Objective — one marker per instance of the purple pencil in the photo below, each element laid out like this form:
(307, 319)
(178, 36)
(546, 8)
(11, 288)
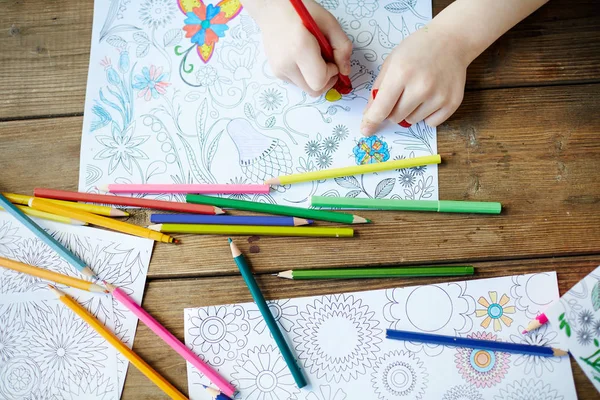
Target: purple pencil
(227, 220)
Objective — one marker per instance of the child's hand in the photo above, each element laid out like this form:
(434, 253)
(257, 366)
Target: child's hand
(422, 79)
(293, 52)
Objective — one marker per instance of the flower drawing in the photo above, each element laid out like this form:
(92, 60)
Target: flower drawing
(8, 239)
(157, 13)
(121, 148)
(462, 392)
(535, 364)
(207, 76)
(596, 328)
(239, 57)
(324, 160)
(586, 318)
(330, 145)
(312, 148)
(399, 374)
(271, 99)
(218, 333)
(63, 344)
(238, 181)
(407, 178)
(482, 368)
(87, 386)
(584, 336)
(361, 8)
(13, 338)
(262, 373)
(205, 24)
(371, 150)
(340, 132)
(528, 389)
(495, 311)
(151, 83)
(327, 393)
(281, 310)
(19, 377)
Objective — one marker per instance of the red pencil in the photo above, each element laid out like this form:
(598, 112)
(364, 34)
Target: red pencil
(343, 85)
(402, 123)
(127, 201)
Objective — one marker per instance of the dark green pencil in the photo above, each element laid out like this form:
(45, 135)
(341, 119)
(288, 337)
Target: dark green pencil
(276, 209)
(263, 307)
(356, 273)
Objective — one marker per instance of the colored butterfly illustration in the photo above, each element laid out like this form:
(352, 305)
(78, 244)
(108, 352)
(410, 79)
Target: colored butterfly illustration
(205, 24)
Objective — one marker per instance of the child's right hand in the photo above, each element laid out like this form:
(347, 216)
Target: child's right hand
(293, 52)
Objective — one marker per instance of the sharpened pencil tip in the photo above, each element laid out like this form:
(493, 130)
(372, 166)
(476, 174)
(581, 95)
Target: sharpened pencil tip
(229, 240)
(524, 332)
(103, 188)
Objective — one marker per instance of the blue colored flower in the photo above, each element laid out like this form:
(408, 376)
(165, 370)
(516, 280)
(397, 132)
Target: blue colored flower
(205, 24)
(151, 83)
(371, 150)
(111, 75)
(124, 61)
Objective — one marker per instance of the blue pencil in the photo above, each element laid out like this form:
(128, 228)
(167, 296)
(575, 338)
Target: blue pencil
(492, 345)
(227, 220)
(46, 237)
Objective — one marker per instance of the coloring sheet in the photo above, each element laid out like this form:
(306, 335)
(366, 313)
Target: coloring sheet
(170, 101)
(577, 319)
(117, 258)
(48, 352)
(340, 343)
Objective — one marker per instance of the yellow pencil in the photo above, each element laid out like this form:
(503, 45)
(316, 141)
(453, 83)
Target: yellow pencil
(91, 208)
(251, 230)
(133, 358)
(354, 170)
(115, 225)
(50, 217)
(51, 276)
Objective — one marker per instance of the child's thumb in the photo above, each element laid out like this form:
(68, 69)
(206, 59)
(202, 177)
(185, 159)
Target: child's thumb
(342, 47)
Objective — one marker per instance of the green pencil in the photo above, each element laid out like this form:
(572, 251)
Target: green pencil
(356, 273)
(252, 230)
(268, 208)
(262, 305)
(448, 206)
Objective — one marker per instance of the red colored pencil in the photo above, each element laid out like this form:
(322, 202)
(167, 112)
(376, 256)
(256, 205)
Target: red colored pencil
(343, 85)
(127, 201)
(402, 123)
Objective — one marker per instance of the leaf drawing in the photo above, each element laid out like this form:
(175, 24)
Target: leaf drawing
(384, 188)
(353, 193)
(270, 122)
(212, 148)
(142, 49)
(141, 37)
(596, 296)
(249, 111)
(172, 37)
(117, 41)
(348, 182)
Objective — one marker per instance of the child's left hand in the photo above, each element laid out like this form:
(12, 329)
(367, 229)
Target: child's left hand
(422, 79)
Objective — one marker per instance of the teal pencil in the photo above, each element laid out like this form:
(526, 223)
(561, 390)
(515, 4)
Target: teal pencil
(262, 305)
(46, 237)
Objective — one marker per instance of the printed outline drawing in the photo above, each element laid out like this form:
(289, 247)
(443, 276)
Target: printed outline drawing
(399, 374)
(482, 368)
(528, 389)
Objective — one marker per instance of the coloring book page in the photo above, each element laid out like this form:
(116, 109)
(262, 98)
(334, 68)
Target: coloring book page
(577, 318)
(171, 101)
(48, 352)
(117, 258)
(339, 341)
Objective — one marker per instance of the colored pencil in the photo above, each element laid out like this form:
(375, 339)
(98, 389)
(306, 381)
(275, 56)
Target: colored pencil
(47, 216)
(227, 220)
(492, 345)
(388, 272)
(105, 222)
(354, 170)
(110, 337)
(126, 201)
(343, 85)
(277, 209)
(170, 339)
(263, 307)
(536, 323)
(173, 188)
(444, 206)
(92, 208)
(46, 237)
(402, 123)
(51, 276)
(248, 230)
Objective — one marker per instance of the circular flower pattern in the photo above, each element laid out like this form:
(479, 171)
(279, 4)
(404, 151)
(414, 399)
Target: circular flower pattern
(157, 13)
(371, 150)
(282, 311)
(218, 333)
(399, 374)
(327, 393)
(340, 132)
(37, 253)
(352, 353)
(407, 179)
(312, 148)
(19, 377)
(482, 368)
(535, 364)
(8, 239)
(324, 160)
(262, 374)
(527, 298)
(586, 318)
(207, 76)
(495, 310)
(361, 8)
(528, 389)
(13, 338)
(584, 336)
(330, 145)
(462, 392)
(271, 99)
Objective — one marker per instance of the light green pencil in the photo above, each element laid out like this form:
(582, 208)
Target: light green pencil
(445, 206)
(386, 272)
(251, 230)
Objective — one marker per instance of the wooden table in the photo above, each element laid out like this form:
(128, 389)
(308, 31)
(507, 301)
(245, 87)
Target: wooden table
(527, 135)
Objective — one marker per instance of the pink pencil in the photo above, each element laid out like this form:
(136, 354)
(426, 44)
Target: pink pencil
(226, 388)
(175, 188)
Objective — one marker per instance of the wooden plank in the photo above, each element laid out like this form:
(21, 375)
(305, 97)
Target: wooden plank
(44, 53)
(536, 150)
(166, 300)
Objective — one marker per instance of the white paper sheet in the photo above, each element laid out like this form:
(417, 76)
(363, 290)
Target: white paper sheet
(577, 319)
(156, 112)
(117, 258)
(340, 343)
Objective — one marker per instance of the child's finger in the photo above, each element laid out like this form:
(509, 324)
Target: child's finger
(423, 111)
(376, 85)
(380, 108)
(342, 46)
(315, 70)
(408, 102)
(295, 76)
(439, 117)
